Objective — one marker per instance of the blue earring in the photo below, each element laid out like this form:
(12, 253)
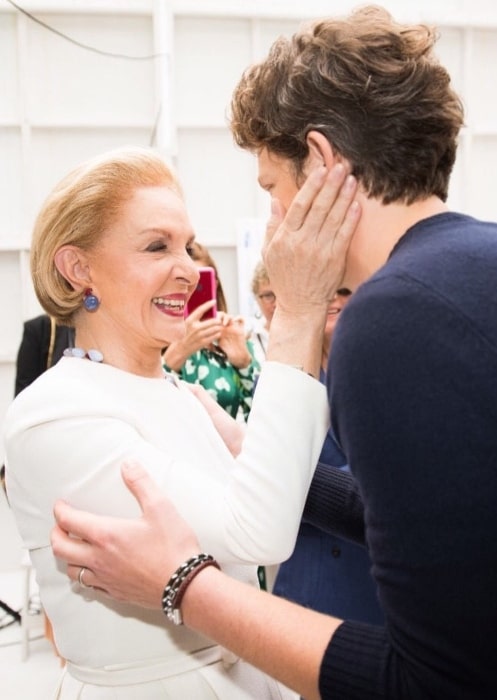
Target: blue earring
(90, 302)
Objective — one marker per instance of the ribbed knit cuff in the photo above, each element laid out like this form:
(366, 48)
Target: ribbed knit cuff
(355, 663)
(334, 504)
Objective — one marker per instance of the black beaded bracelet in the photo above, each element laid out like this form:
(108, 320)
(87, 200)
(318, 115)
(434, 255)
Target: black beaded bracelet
(179, 582)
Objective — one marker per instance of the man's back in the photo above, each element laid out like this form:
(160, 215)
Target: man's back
(414, 368)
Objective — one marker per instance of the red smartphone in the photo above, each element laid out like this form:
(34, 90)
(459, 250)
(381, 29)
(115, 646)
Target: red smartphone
(204, 291)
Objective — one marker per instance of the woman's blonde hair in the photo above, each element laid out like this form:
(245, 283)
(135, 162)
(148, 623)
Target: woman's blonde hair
(259, 277)
(78, 211)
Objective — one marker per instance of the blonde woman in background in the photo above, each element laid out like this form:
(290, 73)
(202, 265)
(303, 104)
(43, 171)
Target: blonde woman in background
(266, 301)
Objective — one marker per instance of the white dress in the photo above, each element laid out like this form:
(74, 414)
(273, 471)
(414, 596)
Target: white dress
(66, 436)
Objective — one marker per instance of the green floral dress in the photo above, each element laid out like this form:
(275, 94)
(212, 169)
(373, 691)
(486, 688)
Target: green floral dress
(232, 388)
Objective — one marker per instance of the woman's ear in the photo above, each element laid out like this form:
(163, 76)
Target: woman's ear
(72, 263)
(321, 151)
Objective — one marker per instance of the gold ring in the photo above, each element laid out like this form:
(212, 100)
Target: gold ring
(80, 578)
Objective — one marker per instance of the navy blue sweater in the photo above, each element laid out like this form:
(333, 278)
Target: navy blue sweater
(414, 395)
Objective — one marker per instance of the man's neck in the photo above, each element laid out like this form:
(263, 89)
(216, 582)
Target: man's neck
(381, 226)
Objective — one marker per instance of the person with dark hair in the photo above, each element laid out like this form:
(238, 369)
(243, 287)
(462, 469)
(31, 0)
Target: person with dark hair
(215, 352)
(412, 383)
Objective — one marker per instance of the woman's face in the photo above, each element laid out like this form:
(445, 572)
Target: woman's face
(266, 301)
(142, 271)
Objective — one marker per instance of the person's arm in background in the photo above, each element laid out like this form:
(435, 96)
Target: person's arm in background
(198, 334)
(233, 341)
(231, 431)
(240, 353)
(248, 380)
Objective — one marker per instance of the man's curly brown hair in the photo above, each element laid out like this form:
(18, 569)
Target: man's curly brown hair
(373, 87)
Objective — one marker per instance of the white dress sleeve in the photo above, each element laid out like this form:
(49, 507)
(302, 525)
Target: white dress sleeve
(68, 439)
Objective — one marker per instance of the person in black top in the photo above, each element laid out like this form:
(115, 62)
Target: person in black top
(42, 344)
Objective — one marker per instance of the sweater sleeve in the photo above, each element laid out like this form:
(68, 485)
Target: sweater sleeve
(355, 663)
(334, 504)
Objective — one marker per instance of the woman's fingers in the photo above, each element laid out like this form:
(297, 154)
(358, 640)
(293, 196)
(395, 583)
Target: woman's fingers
(305, 255)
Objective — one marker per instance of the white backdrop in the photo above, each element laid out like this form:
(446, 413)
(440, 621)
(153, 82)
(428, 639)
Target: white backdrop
(160, 72)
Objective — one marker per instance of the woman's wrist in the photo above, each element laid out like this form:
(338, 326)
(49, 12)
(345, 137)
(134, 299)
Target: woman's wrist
(174, 357)
(297, 341)
(241, 361)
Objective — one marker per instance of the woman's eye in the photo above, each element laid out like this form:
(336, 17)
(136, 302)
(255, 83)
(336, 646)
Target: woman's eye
(156, 246)
(189, 250)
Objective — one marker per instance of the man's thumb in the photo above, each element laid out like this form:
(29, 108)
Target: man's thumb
(138, 482)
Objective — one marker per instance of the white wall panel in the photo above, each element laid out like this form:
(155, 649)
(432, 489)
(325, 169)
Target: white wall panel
(209, 56)
(68, 84)
(61, 149)
(11, 178)
(450, 49)
(481, 88)
(218, 180)
(9, 84)
(11, 294)
(268, 30)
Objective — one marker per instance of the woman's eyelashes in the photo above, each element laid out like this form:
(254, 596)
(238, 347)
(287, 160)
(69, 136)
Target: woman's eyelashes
(170, 243)
(156, 246)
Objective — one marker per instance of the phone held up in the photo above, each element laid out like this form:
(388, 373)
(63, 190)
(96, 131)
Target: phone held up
(204, 291)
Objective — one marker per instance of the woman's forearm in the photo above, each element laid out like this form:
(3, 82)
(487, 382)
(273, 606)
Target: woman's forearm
(175, 356)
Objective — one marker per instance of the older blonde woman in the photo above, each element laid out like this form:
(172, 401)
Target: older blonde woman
(111, 257)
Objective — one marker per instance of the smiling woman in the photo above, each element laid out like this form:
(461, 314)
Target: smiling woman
(111, 256)
(142, 235)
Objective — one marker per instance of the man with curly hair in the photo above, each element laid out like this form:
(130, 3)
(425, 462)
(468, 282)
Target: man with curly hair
(413, 384)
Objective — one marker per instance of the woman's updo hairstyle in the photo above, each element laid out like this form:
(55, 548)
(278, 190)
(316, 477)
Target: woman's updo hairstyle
(79, 210)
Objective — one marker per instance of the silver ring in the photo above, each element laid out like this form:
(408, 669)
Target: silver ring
(80, 578)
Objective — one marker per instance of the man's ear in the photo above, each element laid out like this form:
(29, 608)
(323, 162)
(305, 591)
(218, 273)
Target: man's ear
(72, 263)
(321, 151)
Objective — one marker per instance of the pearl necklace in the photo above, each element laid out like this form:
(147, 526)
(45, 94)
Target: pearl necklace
(92, 354)
(96, 356)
